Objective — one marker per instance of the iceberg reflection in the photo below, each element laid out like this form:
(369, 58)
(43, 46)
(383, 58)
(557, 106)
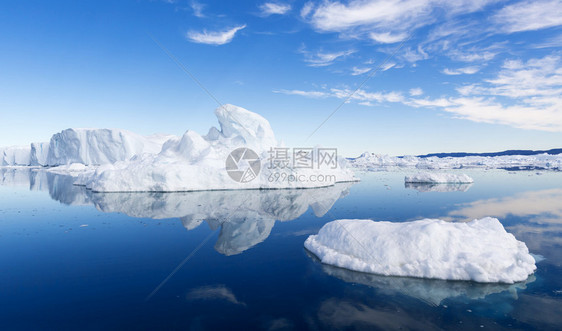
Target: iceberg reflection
(244, 217)
(441, 187)
(431, 291)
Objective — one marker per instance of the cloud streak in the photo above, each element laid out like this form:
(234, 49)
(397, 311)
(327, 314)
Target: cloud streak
(214, 37)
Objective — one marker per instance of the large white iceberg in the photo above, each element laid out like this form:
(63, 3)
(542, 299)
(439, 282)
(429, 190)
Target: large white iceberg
(194, 162)
(480, 250)
(436, 178)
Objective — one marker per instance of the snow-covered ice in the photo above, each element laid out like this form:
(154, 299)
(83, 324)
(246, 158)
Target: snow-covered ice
(437, 178)
(480, 250)
(194, 162)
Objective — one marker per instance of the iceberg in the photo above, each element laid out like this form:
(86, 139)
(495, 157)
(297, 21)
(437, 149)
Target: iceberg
(436, 178)
(39, 154)
(98, 146)
(480, 250)
(213, 162)
(15, 156)
(373, 162)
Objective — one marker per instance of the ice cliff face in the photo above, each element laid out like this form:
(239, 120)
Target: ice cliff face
(98, 146)
(14, 156)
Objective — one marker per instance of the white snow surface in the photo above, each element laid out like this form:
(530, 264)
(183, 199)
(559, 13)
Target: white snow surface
(374, 162)
(436, 178)
(194, 162)
(480, 250)
(99, 146)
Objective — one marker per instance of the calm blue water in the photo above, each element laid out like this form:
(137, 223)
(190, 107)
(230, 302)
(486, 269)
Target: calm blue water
(73, 259)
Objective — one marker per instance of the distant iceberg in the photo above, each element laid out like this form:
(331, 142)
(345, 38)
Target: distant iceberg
(480, 250)
(376, 162)
(438, 178)
(15, 156)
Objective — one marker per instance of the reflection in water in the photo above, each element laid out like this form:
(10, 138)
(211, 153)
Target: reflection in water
(245, 218)
(441, 187)
(538, 218)
(545, 205)
(431, 291)
(342, 314)
(215, 292)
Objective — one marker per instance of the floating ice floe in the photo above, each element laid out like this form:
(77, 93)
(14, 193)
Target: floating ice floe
(439, 178)
(194, 162)
(480, 250)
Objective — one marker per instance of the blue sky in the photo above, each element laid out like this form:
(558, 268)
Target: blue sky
(440, 75)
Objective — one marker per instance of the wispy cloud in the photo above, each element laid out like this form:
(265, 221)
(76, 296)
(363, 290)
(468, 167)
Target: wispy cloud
(273, 8)
(526, 95)
(322, 59)
(197, 9)
(361, 96)
(523, 94)
(387, 37)
(355, 71)
(529, 15)
(386, 19)
(214, 37)
(460, 71)
(307, 9)
(308, 94)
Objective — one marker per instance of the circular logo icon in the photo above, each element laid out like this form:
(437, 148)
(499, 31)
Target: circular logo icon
(243, 165)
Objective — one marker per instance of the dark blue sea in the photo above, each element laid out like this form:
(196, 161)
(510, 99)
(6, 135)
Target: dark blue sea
(71, 259)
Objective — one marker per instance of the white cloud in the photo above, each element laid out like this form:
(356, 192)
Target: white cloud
(355, 71)
(392, 17)
(361, 96)
(388, 65)
(272, 8)
(529, 15)
(472, 55)
(459, 71)
(387, 37)
(322, 59)
(307, 9)
(525, 95)
(214, 37)
(416, 91)
(309, 94)
(197, 9)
